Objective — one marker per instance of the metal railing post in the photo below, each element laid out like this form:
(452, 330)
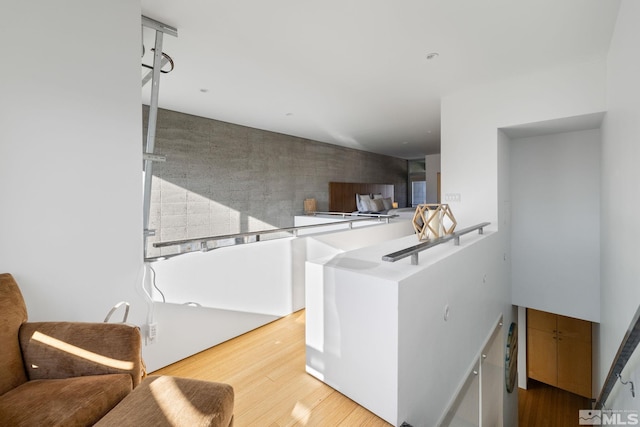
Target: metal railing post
(414, 250)
(160, 30)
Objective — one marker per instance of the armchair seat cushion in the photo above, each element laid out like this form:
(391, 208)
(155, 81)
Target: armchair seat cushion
(79, 401)
(165, 401)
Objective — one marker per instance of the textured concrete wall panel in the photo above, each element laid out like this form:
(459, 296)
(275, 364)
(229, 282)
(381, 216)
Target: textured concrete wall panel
(221, 178)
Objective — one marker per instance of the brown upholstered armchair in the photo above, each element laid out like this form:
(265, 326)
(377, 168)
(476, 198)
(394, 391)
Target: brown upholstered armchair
(61, 373)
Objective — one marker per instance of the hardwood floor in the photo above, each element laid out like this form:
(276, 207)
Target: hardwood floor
(544, 406)
(266, 368)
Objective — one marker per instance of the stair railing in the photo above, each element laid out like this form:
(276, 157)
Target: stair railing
(627, 347)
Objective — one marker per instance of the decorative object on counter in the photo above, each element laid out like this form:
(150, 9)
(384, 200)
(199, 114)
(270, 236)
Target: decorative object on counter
(310, 206)
(431, 221)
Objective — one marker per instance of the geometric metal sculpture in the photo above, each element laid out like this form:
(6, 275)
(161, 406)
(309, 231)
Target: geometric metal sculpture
(431, 221)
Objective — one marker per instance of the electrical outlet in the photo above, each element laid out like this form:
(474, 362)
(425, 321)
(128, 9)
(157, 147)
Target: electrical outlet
(452, 197)
(152, 333)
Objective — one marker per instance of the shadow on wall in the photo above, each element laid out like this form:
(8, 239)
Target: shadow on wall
(221, 178)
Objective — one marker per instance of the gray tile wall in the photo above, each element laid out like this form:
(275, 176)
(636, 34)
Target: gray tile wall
(221, 178)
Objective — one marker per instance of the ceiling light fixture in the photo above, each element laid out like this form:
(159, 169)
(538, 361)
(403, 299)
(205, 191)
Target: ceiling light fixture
(432, 55)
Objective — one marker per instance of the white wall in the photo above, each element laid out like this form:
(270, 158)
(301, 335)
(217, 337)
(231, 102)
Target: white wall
(475, 153)
(555, 223)
(620, 228)
(470, 119)
(70, 156)
(522, 347)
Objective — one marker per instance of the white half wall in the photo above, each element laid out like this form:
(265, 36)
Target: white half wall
(376, 331)
(70, 156)
(217, 295)
(555, 223)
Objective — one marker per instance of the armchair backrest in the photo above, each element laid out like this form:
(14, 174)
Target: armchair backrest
(13, 313)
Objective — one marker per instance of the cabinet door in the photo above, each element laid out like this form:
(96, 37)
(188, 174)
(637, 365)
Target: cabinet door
(574, 356)
(542, 356)
(541, 320)
(574, 328)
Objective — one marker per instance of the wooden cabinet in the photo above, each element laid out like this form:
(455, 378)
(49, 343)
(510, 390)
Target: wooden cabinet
(559, 351)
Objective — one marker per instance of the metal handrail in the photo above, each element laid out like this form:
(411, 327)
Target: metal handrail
(627, 347)
(413, 251)
(346, 214)
(245, 237)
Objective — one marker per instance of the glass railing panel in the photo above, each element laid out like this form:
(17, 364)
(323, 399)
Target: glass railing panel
(479, 399)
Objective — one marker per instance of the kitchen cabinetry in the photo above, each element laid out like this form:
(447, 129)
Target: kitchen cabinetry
(559, 351)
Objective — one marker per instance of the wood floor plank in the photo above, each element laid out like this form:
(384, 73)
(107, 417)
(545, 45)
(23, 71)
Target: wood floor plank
(305, 407)
(291, 409)
(266, 368)
(541, 405)
(361, 417)
(332, 412)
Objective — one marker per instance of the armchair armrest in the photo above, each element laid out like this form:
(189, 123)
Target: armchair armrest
(73, 349)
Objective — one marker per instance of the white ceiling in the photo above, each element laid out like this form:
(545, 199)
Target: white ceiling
(355, 73)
